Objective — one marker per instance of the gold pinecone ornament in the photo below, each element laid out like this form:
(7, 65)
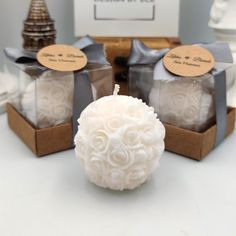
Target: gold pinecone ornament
(39, 28)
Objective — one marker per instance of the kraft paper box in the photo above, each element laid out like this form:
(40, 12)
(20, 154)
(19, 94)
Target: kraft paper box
(190, 107)
(45, 112)
(41, 141)
(195, 145)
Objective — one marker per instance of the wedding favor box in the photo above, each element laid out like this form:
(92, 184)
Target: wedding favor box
(193, 108)
(49, 102)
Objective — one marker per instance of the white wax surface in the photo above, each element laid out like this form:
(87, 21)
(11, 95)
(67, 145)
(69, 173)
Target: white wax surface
(184, 103)
(119, 142)
(47, 101)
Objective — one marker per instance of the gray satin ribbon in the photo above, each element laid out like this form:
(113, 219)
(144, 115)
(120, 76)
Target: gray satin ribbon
(83, 94)
(82, 86)
(94, 52)
(221, 106)
(142, 55)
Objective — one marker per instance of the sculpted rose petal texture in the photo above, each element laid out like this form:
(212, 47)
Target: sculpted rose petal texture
(119, 146)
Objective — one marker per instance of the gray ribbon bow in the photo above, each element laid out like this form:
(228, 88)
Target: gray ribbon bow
(82, 86)
(142, 55)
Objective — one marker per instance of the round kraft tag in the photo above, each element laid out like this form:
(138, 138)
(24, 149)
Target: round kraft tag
(189, 61)
(62, 58)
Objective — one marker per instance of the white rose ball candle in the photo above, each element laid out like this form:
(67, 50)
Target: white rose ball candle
(48, 101)
(187, 103)
(119, 141)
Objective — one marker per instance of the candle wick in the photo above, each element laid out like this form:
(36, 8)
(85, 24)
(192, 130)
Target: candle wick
(116, 90)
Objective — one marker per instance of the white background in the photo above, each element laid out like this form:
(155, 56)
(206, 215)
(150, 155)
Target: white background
(51, 196)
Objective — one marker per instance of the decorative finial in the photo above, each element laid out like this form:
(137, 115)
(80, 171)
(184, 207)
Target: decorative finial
(39, 28)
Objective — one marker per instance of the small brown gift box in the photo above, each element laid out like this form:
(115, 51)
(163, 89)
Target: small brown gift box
(41, 141)
(192, 144)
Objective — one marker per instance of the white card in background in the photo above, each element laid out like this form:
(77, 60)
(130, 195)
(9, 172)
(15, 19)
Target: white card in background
(125, 18)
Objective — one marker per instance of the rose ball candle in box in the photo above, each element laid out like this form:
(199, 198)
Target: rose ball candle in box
(55, 85)
(189, 88)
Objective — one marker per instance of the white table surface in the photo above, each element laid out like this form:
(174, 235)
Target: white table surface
(51, 196)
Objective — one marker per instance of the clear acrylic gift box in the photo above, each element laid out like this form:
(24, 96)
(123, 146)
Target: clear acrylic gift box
(187, 103)
(45, 98)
